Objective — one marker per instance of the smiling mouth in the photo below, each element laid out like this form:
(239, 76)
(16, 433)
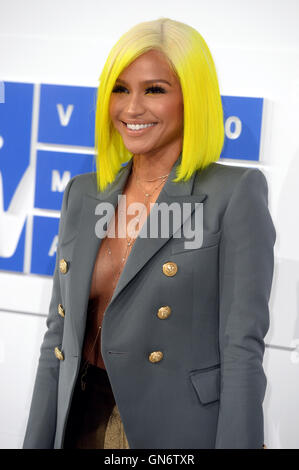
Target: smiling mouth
(137, 128)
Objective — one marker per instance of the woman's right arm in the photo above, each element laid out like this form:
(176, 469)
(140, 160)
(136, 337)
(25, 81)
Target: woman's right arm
(41, 425)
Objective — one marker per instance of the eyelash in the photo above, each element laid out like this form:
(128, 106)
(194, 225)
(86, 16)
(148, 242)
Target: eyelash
(154, 89)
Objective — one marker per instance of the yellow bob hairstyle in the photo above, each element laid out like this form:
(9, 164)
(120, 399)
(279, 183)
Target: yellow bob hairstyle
(190, 59)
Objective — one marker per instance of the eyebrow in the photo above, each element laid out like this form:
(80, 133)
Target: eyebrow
(146, 81)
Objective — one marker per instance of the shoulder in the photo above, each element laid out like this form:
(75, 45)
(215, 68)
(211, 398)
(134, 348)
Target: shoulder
(75, 190)
(85, 183)
(217, 176)
(230, 185)
(219, 180)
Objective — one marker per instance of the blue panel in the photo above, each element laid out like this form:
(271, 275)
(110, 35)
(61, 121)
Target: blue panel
(67, 115)
(15, 132)
(53, 171)
(15, 136)
(243, 121)
(45, 235)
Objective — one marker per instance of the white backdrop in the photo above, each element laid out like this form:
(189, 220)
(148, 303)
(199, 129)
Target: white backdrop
(255, 45)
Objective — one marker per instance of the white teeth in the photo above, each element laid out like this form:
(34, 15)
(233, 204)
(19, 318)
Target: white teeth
(136, 127)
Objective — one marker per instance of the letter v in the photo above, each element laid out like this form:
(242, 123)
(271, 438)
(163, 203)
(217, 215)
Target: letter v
(64, 116)
(12, 220)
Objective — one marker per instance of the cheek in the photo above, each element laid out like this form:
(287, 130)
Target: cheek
(174, 112)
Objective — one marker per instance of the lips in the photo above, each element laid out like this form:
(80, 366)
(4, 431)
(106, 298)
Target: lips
(138, 123)
(139, 132)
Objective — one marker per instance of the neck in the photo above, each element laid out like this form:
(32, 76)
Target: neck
(153, 166)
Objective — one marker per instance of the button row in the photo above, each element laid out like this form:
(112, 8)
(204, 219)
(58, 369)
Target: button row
(162, 313)
(155, 356)
(169, 269)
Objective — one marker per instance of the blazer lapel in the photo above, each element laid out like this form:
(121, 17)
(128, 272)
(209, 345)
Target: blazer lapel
(85, 249)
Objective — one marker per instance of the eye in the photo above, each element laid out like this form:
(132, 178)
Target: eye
(118, 89)
(152, 89)
(155, 89)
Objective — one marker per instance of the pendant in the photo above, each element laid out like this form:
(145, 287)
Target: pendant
(83, 377)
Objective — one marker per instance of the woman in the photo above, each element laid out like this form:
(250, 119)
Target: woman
(151, 342)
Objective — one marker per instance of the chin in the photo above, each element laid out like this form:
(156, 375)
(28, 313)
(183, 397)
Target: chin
(137, 149)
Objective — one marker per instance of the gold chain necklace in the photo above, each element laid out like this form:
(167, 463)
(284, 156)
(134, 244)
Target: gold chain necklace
(131, 240)
(154, 179)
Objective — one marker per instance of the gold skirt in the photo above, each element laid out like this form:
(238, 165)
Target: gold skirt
(94, 421)
(115, 437)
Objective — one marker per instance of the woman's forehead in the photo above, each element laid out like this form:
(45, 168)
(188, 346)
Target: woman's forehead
(151, 65)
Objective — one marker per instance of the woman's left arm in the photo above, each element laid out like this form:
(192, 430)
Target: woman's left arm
(246, 261)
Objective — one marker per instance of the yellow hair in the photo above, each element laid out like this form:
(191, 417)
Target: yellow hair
(189, 57)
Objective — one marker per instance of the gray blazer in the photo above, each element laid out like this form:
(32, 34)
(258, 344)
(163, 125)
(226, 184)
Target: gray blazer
(207, 390)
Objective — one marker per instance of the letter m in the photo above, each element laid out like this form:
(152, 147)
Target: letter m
(59, 183)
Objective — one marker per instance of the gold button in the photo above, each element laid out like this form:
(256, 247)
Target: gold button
(61, 310)
(156, 356)
(59, 354)
(63, 266)
(264, 446)
(170, 268)
(164, 312)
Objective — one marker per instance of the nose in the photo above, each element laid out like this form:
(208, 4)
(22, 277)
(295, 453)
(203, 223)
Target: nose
(135, 105)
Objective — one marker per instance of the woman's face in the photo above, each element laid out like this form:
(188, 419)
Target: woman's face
(148, 92)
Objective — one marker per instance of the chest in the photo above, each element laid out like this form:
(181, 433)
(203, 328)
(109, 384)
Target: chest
(124, 227)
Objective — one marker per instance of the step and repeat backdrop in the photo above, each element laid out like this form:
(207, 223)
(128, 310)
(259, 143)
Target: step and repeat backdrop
(46, 138)
(52, 53)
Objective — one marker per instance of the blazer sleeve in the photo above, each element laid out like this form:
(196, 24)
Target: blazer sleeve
(41, 425)
(246, 262)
